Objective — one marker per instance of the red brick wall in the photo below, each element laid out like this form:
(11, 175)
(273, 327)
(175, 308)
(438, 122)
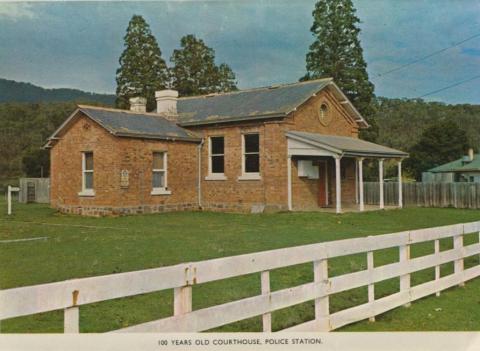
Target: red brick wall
(111, 156)
(271, 190)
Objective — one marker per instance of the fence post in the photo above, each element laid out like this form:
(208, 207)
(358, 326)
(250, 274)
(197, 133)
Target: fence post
(71, 316)
(182, 300)
(267, 317)
(322, 304)
(405, 279)
(458, 265)
(437, 267)
(371, 286)
(9, 200)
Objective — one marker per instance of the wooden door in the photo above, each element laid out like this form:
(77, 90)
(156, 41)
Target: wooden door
(322, 184)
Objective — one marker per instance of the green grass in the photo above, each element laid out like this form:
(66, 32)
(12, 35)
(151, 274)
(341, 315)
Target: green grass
(82, 247)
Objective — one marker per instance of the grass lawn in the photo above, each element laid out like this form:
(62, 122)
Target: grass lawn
(82, 247)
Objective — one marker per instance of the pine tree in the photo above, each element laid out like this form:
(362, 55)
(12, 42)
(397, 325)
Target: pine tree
(195, 72)
(226, 79)
(337, 53)
(142, 70)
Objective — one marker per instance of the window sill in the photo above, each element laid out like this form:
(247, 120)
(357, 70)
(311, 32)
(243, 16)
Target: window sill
(87, 193)
(161, 191)
(252, 176)
(218, 176)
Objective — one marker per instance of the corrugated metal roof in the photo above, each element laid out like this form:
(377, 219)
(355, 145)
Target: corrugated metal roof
(349, 146)
(275, 101)
(458, 166)
(126, 123)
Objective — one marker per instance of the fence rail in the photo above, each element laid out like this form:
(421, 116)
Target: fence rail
(71, 294)
(458, 195)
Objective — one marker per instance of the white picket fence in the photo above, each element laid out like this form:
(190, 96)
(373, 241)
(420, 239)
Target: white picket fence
(71, 294)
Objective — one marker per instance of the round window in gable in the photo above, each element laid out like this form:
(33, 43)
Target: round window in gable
(324, 114)
(323, 111)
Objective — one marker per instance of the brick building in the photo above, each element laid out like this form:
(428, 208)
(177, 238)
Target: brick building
(286, 147)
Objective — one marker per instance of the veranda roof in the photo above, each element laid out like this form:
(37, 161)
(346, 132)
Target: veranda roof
(346, 146)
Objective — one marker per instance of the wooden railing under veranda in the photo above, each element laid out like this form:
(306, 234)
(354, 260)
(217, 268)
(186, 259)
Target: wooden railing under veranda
(71, 294)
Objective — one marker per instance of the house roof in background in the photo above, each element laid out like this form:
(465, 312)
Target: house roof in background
(259, 103)
(347, 146)
(459, 166)
(131, 124)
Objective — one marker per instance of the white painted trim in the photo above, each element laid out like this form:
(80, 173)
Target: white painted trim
(400, 187)
(250, 176)
(216, 176)
(211, 175)
(332, 151)
(87, 193)
(289, 182)
(380, 181)
(338, 185)
(360, 184)
(160, 191)
(163, 190)
(356, 183)
(326, 184)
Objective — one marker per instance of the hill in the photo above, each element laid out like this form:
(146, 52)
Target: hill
(12, 91)
(401, 122)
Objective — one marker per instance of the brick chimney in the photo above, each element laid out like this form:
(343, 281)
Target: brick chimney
(167, 104)
(138, 104)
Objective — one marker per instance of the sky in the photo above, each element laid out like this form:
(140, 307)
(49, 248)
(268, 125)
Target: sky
(77, 44)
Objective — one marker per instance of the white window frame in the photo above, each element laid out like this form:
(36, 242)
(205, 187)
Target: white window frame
(250, 175)
(211, 175)
(85, 191)
(163, 190)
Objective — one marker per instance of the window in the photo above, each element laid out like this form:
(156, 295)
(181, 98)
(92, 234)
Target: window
(216, 162)
(159, 174)
(251, 157)
(323, 111)
(87, 174)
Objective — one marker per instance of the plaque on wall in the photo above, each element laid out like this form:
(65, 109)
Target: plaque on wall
(124, 178)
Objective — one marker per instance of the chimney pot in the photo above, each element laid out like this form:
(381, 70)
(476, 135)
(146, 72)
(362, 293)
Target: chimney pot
(470, 154)
(138, 104)
(167, 104)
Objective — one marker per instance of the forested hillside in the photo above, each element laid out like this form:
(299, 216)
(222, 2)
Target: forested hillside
(24, 129)
(401, 122)
(12, 91)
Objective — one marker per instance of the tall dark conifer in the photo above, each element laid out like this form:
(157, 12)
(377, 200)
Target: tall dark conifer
(195, 72)
(337, 53)
(142, 70)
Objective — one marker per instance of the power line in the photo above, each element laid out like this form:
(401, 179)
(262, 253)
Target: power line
(449, 86)
(427, 56)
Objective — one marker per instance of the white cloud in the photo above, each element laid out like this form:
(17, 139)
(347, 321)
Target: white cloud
(16, 11)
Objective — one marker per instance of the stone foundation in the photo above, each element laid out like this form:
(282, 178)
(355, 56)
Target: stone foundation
(100, 211)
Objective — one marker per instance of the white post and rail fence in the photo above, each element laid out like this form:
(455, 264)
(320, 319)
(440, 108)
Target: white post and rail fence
(70, 295)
